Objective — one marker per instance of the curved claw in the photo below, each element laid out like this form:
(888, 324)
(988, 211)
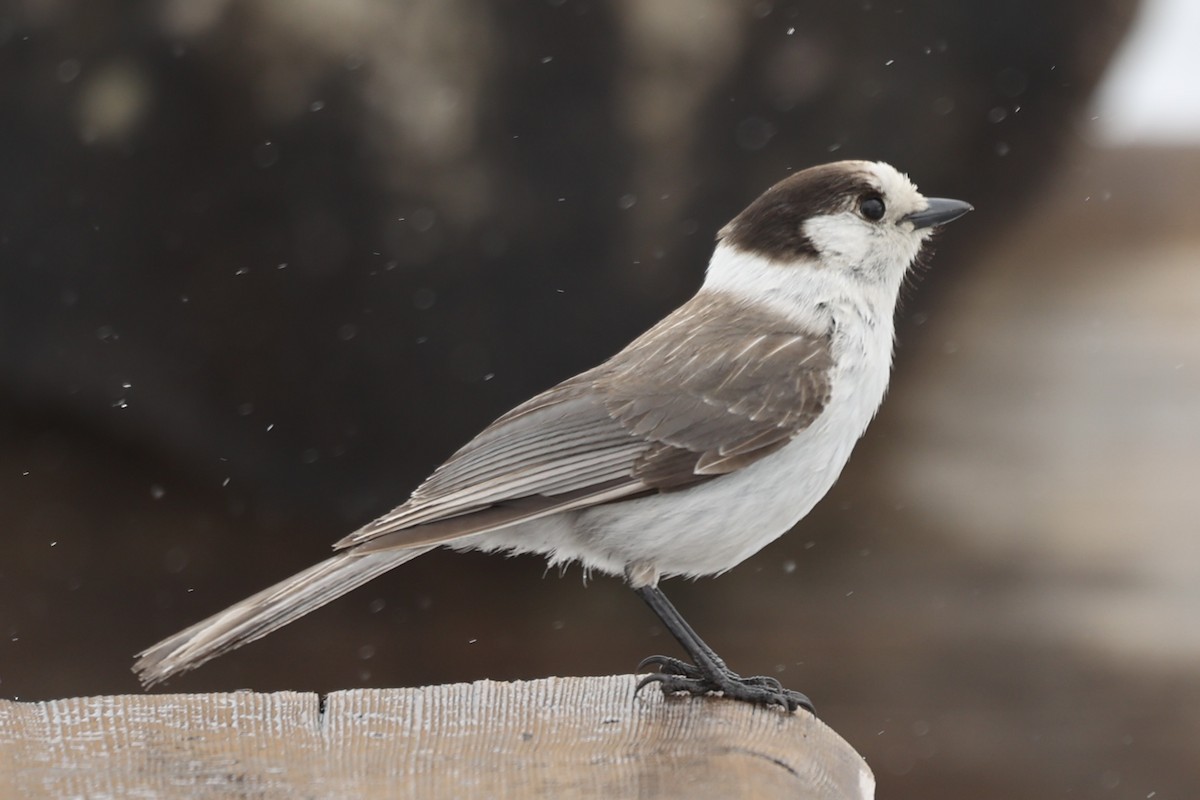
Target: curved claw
(672, 666)
(802, 701)
(653, 661)
(677, 684)
(654, 677)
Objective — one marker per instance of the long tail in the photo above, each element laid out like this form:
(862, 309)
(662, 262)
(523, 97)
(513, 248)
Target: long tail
(266, 611)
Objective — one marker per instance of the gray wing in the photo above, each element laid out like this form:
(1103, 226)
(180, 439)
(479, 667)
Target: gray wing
(706, 411)
(712, 388)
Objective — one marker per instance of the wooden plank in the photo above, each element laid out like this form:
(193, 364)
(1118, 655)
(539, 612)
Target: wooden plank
(558, 737)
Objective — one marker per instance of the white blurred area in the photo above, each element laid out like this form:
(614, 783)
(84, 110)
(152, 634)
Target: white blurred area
(1150, 95)
(1056, 425)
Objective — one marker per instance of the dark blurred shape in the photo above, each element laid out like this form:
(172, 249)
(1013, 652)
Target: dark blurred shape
(341, 220)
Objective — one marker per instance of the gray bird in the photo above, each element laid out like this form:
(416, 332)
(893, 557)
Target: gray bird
(706, 438)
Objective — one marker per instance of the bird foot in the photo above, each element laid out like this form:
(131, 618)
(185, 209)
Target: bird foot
(680, 677)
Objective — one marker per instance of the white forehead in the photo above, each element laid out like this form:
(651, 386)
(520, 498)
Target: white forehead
(894, 185)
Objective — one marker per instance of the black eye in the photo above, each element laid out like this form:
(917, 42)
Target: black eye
(872, 207)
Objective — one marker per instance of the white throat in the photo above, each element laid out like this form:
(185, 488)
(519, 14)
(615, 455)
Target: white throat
(806, 291)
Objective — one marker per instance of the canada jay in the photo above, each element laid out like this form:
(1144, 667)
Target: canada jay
(706, 438)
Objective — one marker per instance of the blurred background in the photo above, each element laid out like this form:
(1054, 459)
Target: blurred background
(264, 264)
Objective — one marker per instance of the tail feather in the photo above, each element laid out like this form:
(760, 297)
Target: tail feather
(269, 610)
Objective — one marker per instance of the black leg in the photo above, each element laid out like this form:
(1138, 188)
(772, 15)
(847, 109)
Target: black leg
(708, 672)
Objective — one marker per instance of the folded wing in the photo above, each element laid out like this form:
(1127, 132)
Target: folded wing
(708, 391)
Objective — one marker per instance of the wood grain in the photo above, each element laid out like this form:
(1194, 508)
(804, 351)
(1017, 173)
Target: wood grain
(557, 737)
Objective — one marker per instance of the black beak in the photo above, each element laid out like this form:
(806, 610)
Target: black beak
(938, 212)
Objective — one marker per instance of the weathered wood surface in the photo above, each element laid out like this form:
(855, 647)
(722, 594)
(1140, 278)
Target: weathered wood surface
(552, 738)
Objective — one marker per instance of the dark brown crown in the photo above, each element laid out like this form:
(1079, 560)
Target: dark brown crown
(773, 225)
